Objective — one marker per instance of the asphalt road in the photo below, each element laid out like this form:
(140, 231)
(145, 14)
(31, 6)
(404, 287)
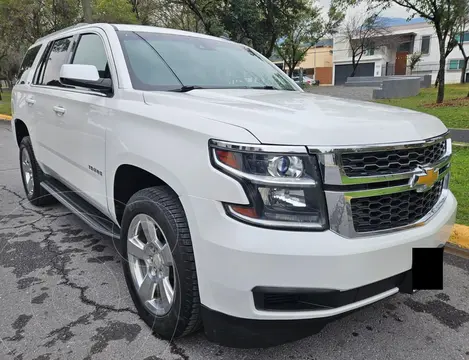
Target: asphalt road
(62, 296)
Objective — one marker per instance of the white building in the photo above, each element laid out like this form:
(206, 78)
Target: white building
(391, 59)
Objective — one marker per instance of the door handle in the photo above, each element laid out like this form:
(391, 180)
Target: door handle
(30, 101)
(59, 110)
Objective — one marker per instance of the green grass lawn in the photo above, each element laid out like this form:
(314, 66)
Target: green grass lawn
(5, 104)
(459, 182)
(452, 116)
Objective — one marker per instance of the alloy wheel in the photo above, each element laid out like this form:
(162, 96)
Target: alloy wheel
(151, 264)
(27, 170)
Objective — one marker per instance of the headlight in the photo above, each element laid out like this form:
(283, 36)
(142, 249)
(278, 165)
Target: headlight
(283, 185)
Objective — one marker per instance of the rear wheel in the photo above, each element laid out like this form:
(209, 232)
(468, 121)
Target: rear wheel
(32, 175)
(159, 264)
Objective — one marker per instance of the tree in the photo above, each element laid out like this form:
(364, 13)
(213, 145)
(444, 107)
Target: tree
(413, 60)
(304, 32)
(462, 27)
(362, 33)
(442, 14)
(113, 11)
(257, 23)
(260, 23)
(87, 13)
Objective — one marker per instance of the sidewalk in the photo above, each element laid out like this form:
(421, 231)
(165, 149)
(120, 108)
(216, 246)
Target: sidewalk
(460, 135)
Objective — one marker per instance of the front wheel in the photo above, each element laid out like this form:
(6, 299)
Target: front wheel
(32, 175)
(159, 265)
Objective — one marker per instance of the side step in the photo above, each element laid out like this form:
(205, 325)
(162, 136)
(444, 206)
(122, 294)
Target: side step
(84, 210)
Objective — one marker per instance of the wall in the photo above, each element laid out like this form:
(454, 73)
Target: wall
(317, 57)
(314, 58)
(428, 64)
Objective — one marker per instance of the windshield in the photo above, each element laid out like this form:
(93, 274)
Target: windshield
(159, 61)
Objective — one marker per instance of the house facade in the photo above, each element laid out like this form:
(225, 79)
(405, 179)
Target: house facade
(316, 64)
(391, 56)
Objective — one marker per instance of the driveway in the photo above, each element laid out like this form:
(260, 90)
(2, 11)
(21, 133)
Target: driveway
(348, 92)
(63, 296)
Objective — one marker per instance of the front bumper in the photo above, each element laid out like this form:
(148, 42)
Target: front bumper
(234, 258)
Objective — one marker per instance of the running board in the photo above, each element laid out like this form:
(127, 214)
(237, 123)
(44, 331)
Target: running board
(84, 210)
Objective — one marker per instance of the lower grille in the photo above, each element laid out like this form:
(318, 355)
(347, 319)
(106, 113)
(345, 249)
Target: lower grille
(278, 299)
(395, 210)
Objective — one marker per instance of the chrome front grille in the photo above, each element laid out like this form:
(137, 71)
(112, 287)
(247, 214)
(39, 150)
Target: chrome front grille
(391, 161)
(391, 211)
(387, 188)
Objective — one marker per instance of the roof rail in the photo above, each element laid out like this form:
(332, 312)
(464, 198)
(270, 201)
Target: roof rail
(62, 30)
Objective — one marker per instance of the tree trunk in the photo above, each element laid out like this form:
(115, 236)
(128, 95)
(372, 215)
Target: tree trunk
(290, 71)
(463, 70)
(354, 69)
(441, 71)
(87, 14)
(441, 81)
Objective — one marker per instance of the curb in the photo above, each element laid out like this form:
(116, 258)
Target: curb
(5, 117)
(460, 236)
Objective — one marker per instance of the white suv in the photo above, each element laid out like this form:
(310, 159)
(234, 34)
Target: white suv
(237, 200)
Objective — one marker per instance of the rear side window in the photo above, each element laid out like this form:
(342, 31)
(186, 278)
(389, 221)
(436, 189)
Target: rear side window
(50, 69)
(28, 60)
(90, 51)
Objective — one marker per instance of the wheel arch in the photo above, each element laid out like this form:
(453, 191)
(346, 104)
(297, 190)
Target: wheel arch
(21, 130)
(130, 178)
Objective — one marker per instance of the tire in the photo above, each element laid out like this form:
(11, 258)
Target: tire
(32, 174)
(160, 208)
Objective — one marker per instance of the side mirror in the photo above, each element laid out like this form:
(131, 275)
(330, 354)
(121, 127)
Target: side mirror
(85, 76)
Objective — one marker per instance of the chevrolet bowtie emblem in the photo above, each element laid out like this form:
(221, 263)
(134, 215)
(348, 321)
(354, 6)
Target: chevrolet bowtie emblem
(425, 179)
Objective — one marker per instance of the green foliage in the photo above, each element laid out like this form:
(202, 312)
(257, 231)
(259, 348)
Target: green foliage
(459, 182)
(304, 31)
(414, 59)
(113, 11)
(452, 116)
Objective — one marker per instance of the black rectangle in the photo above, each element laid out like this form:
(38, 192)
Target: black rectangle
(427, 268)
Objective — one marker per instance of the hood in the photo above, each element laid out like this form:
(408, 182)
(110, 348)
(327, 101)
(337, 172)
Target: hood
(300, 118)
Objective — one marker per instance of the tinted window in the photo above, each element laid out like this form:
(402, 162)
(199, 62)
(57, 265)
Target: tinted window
(156, 61)
(90, 51)
(28, 60)
(57, 57)
(425, 45)
(456, 64)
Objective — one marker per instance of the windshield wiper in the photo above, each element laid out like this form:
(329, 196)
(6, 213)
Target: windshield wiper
(265, 87)
(185, 88)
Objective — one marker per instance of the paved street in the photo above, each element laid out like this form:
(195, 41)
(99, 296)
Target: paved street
(63, 296)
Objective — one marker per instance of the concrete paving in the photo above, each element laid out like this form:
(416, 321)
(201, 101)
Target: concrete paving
(460, 135)
(63, 296)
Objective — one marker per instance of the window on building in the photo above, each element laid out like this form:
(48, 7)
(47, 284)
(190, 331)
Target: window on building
(370, 51)
(465, 37)
(404, 47)
(456, 64)
(425, 49)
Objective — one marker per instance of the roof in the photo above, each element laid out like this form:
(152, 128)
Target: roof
(127, 27)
